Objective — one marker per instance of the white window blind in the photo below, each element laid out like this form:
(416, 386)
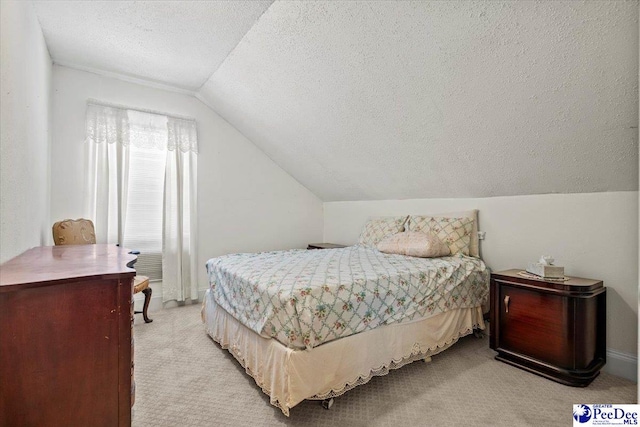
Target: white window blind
(145, 191)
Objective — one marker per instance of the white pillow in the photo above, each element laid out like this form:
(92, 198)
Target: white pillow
(474, 244)
(377, 229)
(417, 244)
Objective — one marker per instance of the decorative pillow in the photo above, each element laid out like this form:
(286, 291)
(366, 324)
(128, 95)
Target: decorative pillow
(455, 232)
(377, 229)
(414, 243)
(474, 246)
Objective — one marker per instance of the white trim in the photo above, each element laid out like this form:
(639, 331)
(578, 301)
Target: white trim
(622, 364)
(156, 303)
(126, 78)
(202, 99)
(93, 101)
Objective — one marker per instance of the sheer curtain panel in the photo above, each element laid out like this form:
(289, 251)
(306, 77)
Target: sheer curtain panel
(107, 170)
(179, 269)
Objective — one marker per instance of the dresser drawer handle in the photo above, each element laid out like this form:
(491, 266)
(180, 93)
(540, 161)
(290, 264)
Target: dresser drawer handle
(506, 303)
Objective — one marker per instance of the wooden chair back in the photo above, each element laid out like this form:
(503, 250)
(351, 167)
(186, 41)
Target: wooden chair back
(74, 232)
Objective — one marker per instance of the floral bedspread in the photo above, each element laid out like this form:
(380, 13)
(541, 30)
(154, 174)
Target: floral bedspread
(304, 298)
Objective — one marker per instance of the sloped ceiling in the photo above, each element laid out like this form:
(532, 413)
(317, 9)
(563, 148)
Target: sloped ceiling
(180, 43)
(388, 100)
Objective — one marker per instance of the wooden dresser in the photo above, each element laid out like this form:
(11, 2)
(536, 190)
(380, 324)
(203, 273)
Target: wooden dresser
(66, 340)
(553, 329)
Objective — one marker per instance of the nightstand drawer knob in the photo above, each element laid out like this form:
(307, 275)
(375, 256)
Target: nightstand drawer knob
(506, 303)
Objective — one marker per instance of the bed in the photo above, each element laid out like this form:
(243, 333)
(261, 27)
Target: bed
(313, 324)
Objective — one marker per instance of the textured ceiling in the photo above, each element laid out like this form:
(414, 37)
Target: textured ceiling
(386, 100)
(180, 43)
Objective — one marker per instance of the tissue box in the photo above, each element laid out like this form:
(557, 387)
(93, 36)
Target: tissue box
(550, 271)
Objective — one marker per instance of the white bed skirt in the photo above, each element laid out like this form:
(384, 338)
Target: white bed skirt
(290, 376)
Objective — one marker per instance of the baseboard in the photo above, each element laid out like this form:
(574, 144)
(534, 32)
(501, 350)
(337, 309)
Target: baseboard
(154, 305)
(622, 365)
(156, 299)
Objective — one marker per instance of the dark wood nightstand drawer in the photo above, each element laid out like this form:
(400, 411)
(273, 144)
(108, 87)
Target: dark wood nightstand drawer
(325, 246)
(553, 329)
(533, 323)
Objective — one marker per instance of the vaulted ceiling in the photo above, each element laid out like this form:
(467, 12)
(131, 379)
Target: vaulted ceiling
(179, 43)
(389, 100)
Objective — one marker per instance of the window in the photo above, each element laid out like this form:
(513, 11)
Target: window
(145, 191)
(141, 191)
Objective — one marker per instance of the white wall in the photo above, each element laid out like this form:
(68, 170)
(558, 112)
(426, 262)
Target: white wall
(246, 202)
(592, 235)
(24, 130)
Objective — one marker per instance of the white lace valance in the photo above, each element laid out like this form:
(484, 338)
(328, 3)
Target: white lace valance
(110, 125)
(107, 125)
(147, 131)
(182, 135)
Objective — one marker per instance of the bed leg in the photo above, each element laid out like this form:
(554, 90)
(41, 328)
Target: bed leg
(327, 403)
(478, 333)
(427, 359)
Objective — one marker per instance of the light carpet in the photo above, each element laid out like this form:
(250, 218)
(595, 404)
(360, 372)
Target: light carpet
(183, 378)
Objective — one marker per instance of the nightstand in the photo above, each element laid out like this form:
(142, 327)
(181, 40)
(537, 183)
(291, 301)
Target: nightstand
(553, 329)
(325, 246)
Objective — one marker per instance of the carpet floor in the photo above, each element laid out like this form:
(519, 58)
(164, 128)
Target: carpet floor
(183, 378)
